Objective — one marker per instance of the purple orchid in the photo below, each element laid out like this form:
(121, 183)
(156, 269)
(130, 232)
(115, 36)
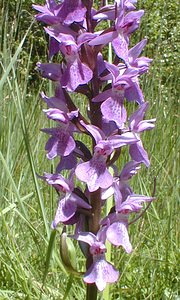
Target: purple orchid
(67, 211)
(75, 72)
(68, 12)
(100, 272)
(125, 24)
(108, 12)
(48, 13)
(117, 232)
(61, 142)
(77, 65)
(95, 172)
(120, 187)
(142, 63)
(124, 85)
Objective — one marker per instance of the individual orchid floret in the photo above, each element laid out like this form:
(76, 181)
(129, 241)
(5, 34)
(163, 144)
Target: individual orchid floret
(123, 86)
(124, 26)
(67, 210)
(75, 72)
(110, 11)
(141, 63)
(68, 12)
(117, 232)
(48, 13)
(94, 172)
(120, 187)
(138, 125)
(100, 272)
(61, 142)
(68, 206)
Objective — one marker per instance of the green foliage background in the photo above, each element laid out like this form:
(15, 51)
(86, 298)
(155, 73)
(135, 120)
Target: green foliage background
(27, 205)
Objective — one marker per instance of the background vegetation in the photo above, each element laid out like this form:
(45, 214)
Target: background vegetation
(27, 205)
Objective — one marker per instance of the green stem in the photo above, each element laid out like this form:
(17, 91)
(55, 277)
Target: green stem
(91, 292)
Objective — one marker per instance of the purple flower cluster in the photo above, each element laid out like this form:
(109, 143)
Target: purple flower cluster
(77, 66)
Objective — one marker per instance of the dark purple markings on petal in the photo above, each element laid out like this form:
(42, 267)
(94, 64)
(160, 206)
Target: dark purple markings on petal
(95, 174)
(100, 273)
(72, 11)
(114, 110)
(75, 75)
(121, 47)
(117, 234)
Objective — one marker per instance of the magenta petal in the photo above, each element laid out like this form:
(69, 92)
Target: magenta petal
(72, 11)
(103, 38)
(146, 125)
(136, 50)
(117, 234)
(101, 272)
(114, 110)
(121, 47)
(66, 146)
(76, 74)
(95, 174)
(139, 154)
(66, 209)
(103, 96)
(67, 163)
(51, 147)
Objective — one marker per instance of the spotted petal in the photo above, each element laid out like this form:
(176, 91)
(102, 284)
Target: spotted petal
(114, 110)
(101, 272)
(117, 234)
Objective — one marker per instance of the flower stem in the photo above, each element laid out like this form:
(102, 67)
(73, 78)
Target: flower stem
(91, 292)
